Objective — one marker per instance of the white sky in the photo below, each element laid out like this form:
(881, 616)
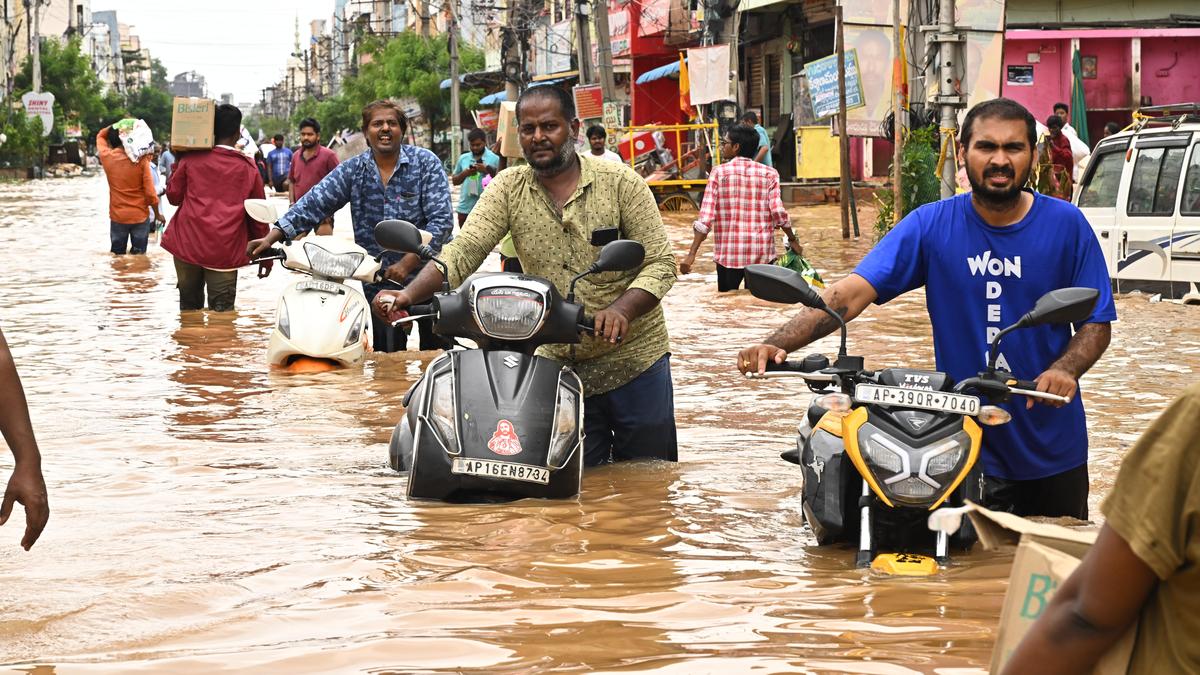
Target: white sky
(239, 46)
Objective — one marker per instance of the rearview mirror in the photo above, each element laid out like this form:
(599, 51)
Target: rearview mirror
(262, 210)
(779, 284)
(1065, 305)
(398, 235)
(620, 256)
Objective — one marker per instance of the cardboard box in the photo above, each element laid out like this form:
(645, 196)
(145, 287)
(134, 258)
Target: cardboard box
(192, 123)
(506, 130)
(1046, 555)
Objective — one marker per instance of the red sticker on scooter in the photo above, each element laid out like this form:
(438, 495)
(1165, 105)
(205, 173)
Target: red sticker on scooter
(505, 441)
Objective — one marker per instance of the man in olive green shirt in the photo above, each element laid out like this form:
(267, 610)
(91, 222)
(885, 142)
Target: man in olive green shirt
(560, 209)
(1144, 566)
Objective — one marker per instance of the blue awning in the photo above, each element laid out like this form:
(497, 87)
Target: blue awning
(493, 99)
(446, 82)
(669, 70)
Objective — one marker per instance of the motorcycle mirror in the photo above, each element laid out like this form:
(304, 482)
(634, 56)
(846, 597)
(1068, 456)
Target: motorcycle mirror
(1065, 305)
(779, 284)
(399, 235)
(262, 210)
(619, 256)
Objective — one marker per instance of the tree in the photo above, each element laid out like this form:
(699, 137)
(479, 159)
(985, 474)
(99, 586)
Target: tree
(67, 73)
(25, 144)
(407, 66)
(152, 105)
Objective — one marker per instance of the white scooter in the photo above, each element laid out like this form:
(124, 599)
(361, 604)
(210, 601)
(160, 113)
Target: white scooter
(323, 322)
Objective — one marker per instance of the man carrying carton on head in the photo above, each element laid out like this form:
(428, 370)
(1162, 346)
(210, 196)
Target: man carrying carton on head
(130, 192)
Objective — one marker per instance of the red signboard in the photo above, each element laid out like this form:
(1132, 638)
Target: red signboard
(589, 102)
(488, 119)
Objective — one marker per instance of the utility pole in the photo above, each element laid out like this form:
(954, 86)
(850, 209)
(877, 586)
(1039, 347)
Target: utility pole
(582, 26)
(425, 18)
(897, 115)
(604, 50)
(33, 15)
(948, 100)
(843, 138)
(455, 118)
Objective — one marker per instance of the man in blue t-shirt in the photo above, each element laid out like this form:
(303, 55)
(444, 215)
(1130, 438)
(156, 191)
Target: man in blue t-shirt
(468, 173)
(984, 258)
(763, 154)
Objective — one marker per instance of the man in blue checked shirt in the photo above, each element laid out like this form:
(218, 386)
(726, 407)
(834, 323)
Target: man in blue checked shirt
(390, 181)
(280, 160)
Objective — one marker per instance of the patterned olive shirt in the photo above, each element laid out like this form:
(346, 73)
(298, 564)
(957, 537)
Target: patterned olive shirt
(557, 246)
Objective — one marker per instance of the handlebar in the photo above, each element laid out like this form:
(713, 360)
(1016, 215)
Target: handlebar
(790, 369)
(1001, 389)
(273, 253)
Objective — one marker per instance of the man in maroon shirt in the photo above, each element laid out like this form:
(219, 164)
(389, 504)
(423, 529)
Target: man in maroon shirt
(210, 230)
(309, 166)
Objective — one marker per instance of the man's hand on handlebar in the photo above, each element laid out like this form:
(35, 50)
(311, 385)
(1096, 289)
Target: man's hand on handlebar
(755, 359)
(391, 305)
(611, 324)
(1054, 381)
(257, 247)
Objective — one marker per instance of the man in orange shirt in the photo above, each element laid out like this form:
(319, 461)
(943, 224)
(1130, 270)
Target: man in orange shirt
(130, 192)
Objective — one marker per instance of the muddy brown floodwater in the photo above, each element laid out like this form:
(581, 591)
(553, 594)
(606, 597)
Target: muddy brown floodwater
(209, 515)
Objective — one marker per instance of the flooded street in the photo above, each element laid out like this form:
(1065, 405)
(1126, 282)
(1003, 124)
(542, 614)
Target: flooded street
(208, 515)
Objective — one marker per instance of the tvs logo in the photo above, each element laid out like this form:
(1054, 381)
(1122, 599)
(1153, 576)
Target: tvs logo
(505, 441)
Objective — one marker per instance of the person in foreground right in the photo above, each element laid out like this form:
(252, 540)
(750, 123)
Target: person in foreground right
(984, 258)
(1144, 566)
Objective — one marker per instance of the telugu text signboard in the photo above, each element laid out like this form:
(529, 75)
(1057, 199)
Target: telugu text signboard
(822, 77)
(589, 101)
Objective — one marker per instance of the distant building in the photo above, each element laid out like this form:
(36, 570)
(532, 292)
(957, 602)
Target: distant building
(189, 83)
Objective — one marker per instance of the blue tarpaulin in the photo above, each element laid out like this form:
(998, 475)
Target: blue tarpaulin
(493, 99)
(669, 70)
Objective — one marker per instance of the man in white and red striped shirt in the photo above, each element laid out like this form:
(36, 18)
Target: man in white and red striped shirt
(742, 207)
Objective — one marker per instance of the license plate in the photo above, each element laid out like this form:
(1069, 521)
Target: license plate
(319, 285)
(492, 469)
(917, 398)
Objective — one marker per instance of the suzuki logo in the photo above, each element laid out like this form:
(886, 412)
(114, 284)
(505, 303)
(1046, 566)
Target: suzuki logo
(511, 361)
(917, 423)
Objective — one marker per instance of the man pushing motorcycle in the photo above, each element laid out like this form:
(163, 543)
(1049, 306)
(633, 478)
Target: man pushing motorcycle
(561, 209)
(984, 258)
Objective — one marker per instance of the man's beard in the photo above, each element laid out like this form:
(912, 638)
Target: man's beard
(561, 159)
(308, 145)
(997, 198)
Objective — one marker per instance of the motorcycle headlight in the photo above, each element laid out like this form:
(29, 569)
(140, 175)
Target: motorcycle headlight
(355, 329)
(564, 436)
(509, 313)
(441, 410)
(285, 321)
(335, 265)
(943, 457)
(912, 488)
(885, 454)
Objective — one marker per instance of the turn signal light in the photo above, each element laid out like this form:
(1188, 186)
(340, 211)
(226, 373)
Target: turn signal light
(836, 403)
(991, 416)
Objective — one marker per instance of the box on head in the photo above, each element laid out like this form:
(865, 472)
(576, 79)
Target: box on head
(192, 123)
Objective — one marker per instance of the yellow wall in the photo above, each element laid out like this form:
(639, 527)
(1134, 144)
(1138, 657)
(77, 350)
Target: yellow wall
(817, 153)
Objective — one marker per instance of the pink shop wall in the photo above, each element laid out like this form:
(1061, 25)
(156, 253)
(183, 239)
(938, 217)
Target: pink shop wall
(1170, 69)
(1050, 78)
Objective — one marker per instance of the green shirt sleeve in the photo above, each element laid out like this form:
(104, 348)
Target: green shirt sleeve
(484, 228)
(641, 220)
(1156, 499)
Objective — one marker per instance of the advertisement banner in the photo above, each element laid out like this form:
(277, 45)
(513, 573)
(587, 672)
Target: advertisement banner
(821, 77)
(40, 105)
(589, 101)
(873, 46)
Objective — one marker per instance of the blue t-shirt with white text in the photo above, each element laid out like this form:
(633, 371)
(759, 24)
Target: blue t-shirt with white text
(979, 279)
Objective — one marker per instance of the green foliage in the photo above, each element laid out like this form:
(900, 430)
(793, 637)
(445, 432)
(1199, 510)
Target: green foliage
(25, 144)
(919, 178)
(67, 73)
(407, 66)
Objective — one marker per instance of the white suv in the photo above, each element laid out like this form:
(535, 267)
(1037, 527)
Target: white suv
(1141, 194)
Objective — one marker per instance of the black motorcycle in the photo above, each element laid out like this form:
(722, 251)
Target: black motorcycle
(498, 421)
(880, 450)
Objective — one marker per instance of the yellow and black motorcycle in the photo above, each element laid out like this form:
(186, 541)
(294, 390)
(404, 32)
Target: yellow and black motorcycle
(880, 450)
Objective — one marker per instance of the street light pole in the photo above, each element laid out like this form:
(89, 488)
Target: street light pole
(455, 115)
(35, 41)
(604, 50)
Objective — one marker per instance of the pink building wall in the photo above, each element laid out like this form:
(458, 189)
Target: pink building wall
(1171, 69)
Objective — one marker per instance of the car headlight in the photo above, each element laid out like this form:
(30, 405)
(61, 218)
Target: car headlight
(441, 410)
(509, 313)
(335, 265)
(285, 321)
(355, 329)
(564, 434)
